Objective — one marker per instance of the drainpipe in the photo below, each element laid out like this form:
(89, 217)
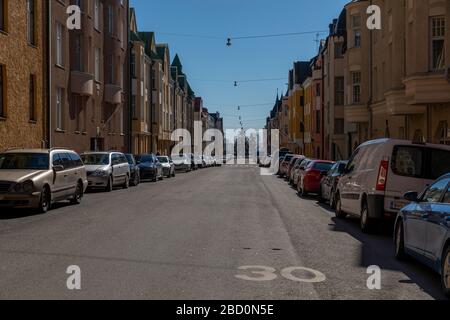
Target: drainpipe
(129, 93)
(49, 75)
(370, 82)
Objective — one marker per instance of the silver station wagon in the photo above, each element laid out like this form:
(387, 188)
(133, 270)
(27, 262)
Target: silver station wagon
(37, 178)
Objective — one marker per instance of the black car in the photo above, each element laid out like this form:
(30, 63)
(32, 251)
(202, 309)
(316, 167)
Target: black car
(135, 177)
(149, 167)
(328, 185)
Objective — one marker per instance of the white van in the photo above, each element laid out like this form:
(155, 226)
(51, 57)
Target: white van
(380, 172)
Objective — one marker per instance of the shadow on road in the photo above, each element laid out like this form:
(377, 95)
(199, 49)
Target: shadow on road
(378, 249)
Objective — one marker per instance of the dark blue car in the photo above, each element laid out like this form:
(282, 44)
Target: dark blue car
(422, 229)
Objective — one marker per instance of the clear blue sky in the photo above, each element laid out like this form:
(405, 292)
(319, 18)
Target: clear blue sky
(207, 59)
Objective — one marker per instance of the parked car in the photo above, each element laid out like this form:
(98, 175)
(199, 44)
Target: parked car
(422, 229)
(294, 170)
(150, 167)
(298, 171)
(199, 161)
(310, 178)
(167, 165)
(182, 162)
(135, 175)
(106, 170)
(381, 171)
(194, 164)
(285, 165)
(37, 178)
(328, 185)
(291, 166)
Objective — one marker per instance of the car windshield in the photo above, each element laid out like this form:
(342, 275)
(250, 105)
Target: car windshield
(163, 159)
(179, 158)
(24, 161)
(129, 158)
(95, 159)
(145, 159)
(322, 166)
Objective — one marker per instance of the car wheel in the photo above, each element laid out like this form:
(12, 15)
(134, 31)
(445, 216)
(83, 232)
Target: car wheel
(400, 242)
(332, 199)
(76, 199)
(46, 200)
(339, 213)
(321, 198)
(446, 272)
(366, 222)
(126, 185)
(137, 180)
(109, 186)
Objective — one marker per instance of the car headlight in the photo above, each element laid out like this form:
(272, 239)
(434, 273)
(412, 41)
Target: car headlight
(25, 187)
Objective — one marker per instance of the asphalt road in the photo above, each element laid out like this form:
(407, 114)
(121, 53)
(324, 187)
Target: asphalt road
(189, 237)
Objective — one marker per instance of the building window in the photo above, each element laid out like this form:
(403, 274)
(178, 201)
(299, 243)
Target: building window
(133, 107)
(356, 85)
(59, 44)
(32, 98)
(437, 43)
(338, 50)
(356, 26)
(110, 63)
(339, 91)
(31, 23)
(3, 15)
(2, 92)
(59, 109)
(110, 20)
(78, 65)
(338, 126)
(97, 64)
(133, 63)
(97, 14)
(318, 121)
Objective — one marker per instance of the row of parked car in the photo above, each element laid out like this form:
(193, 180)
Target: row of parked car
(405, 182)
(37, 178)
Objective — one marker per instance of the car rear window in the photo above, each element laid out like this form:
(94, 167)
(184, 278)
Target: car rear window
(322, 166)
(420, 162)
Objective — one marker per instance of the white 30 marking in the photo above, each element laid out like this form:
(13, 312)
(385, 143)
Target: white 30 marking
(262, 273)
(266, 273)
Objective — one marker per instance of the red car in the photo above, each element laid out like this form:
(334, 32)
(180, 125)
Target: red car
(310, 178)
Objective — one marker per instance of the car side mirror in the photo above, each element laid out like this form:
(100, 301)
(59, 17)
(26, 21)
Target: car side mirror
(411, 196)
(58, 168)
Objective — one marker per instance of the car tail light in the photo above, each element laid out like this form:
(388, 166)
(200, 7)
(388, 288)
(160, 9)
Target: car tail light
(382, 176)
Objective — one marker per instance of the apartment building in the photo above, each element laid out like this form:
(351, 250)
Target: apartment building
(335, 146)
(307, 117)
(397, 85)
(317, 107)
(89, 76)
(142, 52)
(23, 80)
(297, 76)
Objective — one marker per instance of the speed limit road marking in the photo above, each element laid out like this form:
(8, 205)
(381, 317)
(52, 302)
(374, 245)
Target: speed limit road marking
(263, 273)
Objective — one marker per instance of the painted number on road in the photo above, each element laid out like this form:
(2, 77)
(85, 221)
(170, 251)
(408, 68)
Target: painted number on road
(259, 273)
(262, 273)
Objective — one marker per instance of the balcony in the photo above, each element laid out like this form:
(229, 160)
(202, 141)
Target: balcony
(113, 94)
(426, 89)
(396, 104)
(82, 83)
(357, 113)
(140, 127)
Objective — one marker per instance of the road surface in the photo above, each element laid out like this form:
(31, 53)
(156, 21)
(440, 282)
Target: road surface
(195, 237)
